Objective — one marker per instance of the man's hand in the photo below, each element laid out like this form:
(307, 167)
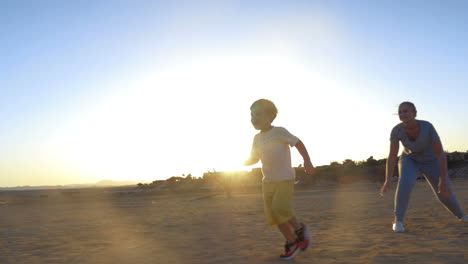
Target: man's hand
(443, 187)
(385, 187)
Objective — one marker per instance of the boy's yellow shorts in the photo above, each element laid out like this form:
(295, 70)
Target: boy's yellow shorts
(278, 200)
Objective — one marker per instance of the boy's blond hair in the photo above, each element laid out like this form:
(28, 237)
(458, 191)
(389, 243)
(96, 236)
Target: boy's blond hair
(266, 105)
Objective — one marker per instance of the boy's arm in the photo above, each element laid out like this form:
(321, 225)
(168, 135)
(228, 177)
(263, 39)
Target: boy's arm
(251, 161)
(253, 156)
(309, 168)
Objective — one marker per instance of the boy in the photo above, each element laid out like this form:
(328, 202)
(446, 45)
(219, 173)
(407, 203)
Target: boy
(272, 147)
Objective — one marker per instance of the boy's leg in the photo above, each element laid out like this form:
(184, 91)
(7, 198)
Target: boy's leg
(282, 211)
(287, 231)
(292, 246)
(431, 172)
(303, 235)
(301, 231)
(281, 207)
(268, 190)
(294, 223)
(407, 178)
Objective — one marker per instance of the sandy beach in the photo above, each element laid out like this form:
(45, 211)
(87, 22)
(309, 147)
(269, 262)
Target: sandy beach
(350, 223)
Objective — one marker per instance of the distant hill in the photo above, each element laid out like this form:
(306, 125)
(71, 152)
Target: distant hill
(102, 183)
(115, 183)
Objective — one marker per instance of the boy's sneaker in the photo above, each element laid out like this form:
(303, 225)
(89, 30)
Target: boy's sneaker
(398, 227)
(464, 219)
(290, 250)
(303, 237)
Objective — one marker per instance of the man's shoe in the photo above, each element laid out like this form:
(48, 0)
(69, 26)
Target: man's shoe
(398, 227)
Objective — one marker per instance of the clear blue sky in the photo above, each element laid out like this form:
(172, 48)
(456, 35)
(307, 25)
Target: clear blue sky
(145, 90)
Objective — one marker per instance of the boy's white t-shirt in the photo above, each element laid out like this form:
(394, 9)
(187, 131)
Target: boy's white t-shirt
(273, 149)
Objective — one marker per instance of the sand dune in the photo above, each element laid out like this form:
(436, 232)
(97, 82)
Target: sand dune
(350, 224)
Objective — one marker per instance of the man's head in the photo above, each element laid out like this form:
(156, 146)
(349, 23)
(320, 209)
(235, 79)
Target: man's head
(407, 111)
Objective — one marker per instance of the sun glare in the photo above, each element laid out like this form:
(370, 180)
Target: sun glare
(194, 118)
